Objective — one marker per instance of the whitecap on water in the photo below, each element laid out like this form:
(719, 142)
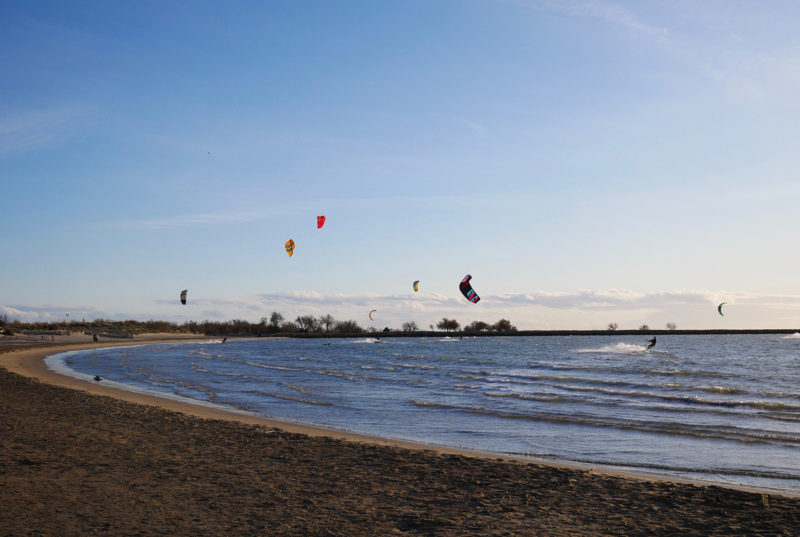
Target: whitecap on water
(617, 348)
(796, 335)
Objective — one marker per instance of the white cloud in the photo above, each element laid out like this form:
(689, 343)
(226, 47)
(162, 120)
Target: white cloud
(584, 309)
(625, 299)
(55, 313)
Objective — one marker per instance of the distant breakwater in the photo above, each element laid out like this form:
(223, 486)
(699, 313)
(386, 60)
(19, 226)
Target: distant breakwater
(457, 334)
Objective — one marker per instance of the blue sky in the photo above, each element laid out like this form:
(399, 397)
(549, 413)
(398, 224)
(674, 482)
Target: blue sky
(587, 162)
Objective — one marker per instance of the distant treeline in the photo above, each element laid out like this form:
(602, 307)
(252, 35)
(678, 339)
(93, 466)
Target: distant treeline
(275, 324)
(327, 326)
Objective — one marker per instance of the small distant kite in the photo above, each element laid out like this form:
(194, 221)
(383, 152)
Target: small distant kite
(289, 247)
(320, 222)
(467, 291)
(370, 315)
(719, 308)
(183, 297)
(416, 286)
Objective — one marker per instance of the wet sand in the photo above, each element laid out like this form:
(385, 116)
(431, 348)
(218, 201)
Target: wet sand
(79, 458)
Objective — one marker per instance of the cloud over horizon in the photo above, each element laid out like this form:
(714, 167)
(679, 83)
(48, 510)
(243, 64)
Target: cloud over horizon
(583, 309)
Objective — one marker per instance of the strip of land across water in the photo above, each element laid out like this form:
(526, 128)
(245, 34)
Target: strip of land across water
(79, 458)
(513, 333)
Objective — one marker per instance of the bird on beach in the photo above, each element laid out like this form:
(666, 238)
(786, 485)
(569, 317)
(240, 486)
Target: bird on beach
(98, 378)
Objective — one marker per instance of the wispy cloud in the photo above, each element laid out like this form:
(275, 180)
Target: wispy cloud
(744, 72)
(610, 13)
(30, 130)
(473, 126)
(195, 220)
(220, 218)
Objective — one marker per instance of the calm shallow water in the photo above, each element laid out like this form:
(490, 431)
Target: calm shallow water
(722, 408)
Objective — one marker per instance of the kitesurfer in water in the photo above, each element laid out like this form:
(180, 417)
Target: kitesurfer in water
(652, 343)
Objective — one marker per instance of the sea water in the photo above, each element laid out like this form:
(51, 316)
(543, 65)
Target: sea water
(717, 408)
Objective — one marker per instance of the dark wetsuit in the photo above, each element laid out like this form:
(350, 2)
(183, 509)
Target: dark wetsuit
(652, 344)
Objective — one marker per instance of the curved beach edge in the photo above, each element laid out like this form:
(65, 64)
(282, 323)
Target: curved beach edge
(30, 362)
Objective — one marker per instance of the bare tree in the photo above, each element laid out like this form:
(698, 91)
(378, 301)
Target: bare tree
(275, 321)
(672, 326)
(307, 323)
(327, 321)
(288, 327)
(612, 326)
(410, 326)
(447, 324)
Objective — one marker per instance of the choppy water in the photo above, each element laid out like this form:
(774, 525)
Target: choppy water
(722, 408)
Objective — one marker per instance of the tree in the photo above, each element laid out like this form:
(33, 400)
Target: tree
(288, 327)
(672, 326)
(644, 328)
(275, 321)
(347, 327)
(326, 321)
(504, 325)
(447, 324)
(240, 326)
(410, 326)
(476, 326)
(612, 326)
(307, 323)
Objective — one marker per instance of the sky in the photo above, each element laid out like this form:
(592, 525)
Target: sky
(587, 162)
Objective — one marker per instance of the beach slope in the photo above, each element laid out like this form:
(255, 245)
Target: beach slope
(78, 463)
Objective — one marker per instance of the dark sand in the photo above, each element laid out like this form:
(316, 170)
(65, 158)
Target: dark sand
(74, 463)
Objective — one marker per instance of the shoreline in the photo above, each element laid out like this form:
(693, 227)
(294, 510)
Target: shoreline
(32, 363)
(80, 458)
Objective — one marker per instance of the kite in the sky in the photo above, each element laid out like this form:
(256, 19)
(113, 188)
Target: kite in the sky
(416, 285)
(183, 297)
(289, 247)
(719, 308)
(320, 222)
(370, 314)
(466, 290)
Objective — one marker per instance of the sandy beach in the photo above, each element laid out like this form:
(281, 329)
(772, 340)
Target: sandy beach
(80, 458)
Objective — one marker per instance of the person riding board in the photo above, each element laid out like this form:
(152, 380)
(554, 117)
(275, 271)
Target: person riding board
(652, 343)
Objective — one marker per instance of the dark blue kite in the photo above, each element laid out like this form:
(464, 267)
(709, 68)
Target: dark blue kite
(467, 291)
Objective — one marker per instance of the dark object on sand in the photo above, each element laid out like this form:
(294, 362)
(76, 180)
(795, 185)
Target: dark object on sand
(98, 378)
